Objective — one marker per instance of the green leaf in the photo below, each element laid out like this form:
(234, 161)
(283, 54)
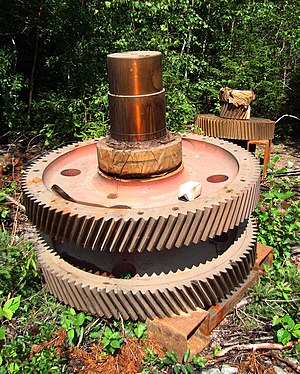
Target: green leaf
(115, 343)
(140, 330)
(8, 313)
(296, 333)
(2, 332)
(1, 360)
(72, 311)
(12, 304)
(283, 336)
(186, 355)
(80, 319)
(288, 322)
(276, 321)
(95, 335)
(184, 369)
(71, 334)
(176, 369)
(107, 332)
(105, 341)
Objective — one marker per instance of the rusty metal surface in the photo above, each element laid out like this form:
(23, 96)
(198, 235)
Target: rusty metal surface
(67, 199)
(254, 128)
(136, 96)
(152, 296)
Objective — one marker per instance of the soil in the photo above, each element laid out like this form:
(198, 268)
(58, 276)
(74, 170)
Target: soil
(15, 157)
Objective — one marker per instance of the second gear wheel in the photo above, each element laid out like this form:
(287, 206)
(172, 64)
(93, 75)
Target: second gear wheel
(158, 295)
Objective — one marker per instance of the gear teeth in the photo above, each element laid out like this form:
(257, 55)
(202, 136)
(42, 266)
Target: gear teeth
(124, 241)
(153, 296)
(185, 228)
(163, 304)
(111, 225)
(145, 310)
(66, 222)
(137, 235)
(254, 128)
(147, 235)
(156, 234)
(175, 232)
(129, 309)
(170, 223)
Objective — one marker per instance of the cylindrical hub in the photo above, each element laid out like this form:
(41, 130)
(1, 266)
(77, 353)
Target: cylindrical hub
(136, 96)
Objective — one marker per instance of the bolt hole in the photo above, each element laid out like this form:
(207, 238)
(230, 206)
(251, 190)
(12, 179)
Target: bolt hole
(124, 271)
(112, 196)
(36, 170)
(175, 208)
(140, 213)
(45, 161)
(217, 178)
(70, 172)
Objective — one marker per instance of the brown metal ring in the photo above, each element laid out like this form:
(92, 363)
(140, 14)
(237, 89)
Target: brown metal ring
(254, 128)
(151, 296)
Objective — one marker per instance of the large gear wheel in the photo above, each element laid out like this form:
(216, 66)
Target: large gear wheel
(67, 199)
(225, 128)
(169, 213)
(155, 295)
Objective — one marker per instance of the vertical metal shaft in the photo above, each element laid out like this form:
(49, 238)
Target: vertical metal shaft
(136, 96)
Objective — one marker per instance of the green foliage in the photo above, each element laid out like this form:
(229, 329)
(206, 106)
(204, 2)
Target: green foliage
(15, 353)
(278, 213)
(10, 307)
(8, 188)
(111, 340)
(185, 367)
(4, 210)
(7, 310)
(289, 329)
(205, 45)
(18, 268)
(74, 324)
(13, 109)
(140, 330)
(277, 292)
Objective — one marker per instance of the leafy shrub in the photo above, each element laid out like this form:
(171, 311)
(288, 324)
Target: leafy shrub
(18, 268)
(13, 109)
(278, 213)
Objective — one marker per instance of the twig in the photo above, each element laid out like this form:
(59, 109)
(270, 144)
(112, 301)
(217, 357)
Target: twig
(275, 355)
(255, 347)
(12, 200)
(243, 303)
(15, 224)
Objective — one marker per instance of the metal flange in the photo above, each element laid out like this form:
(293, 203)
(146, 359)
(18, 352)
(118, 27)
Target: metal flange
(67, 199)
(253, 128)
(156, 295)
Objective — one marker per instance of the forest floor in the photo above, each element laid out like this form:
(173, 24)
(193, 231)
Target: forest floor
(14, 158)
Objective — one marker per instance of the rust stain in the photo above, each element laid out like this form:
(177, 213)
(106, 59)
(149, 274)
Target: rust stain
(34, 180)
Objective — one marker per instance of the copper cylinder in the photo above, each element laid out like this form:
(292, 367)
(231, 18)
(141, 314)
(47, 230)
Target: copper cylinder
(137, 107)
